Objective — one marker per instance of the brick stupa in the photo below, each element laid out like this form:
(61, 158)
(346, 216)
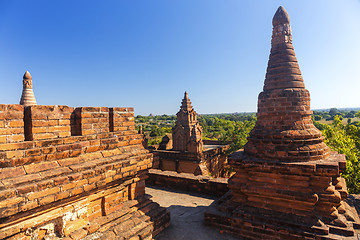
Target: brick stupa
(27, 96)
(187, 132)
(287, 183)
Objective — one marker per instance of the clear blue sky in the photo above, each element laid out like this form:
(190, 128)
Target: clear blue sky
(145, 54)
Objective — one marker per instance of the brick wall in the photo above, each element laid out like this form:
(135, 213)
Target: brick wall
(212, 160)
(73, 185)
(92, 120)
(46, 122)
(11, 123)
(121, 119)
(188, 182)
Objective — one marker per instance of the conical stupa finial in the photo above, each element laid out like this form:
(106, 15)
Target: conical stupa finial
(281, 17)
(283, 70)
(27, 75)
(27, 96)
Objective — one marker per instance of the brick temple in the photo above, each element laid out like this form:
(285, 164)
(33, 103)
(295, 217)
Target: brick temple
(287, 183)
(185, 151)
(70, 173)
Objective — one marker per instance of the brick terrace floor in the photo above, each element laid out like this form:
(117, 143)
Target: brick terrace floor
(187, 215)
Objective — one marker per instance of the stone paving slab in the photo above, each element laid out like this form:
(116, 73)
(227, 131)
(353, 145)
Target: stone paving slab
(187, 215)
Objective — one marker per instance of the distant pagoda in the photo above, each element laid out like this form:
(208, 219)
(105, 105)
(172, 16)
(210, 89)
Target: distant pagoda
(27, 96)
(187, 132)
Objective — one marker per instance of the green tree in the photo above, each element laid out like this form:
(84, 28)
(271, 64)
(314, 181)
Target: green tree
(333, 111)
(317, 117)
(344, 139)
(156, 131)
(238, 136)
(357, 114)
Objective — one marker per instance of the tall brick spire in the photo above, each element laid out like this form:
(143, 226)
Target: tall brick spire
(27, 96)
(187, 132)
(283, 69)
(287, 184)
(284, 130)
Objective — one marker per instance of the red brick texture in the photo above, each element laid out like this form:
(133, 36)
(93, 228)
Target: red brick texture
(121, 119)
(47, 122)
(92, 120)
(75, 185)
(287, 183)
(11, 123)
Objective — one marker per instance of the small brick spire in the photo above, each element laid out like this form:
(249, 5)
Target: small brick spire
(284, 130)
(27, 96)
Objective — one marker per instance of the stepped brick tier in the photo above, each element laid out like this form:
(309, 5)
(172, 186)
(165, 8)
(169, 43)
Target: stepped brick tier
(287, 183)
(70, 173)
(186, 152)
(27, 96)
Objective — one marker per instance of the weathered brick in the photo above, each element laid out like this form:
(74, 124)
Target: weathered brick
(45, 184)
(15, 138)
(78, 234)
(26, 188)
(21, 180)
(75, 225)
(29, 205)
(60, 180)
(74, 184)
(11, 201)
(11, 172)
(47, 200)
(6, 194)
(46, 192)
(8, 211)
(62, 195)
(26, 160)
(39, 167)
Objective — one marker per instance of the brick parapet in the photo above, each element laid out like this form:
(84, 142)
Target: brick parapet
(47, 122)
(178, 155)
(92, 120)
(188, 182)
(41, 122)
(11, 123)
(121, 119)
(193, 157)
(59, 170)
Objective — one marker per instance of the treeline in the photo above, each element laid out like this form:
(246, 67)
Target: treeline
(350, 115)
(155, 127)
(228, 128)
